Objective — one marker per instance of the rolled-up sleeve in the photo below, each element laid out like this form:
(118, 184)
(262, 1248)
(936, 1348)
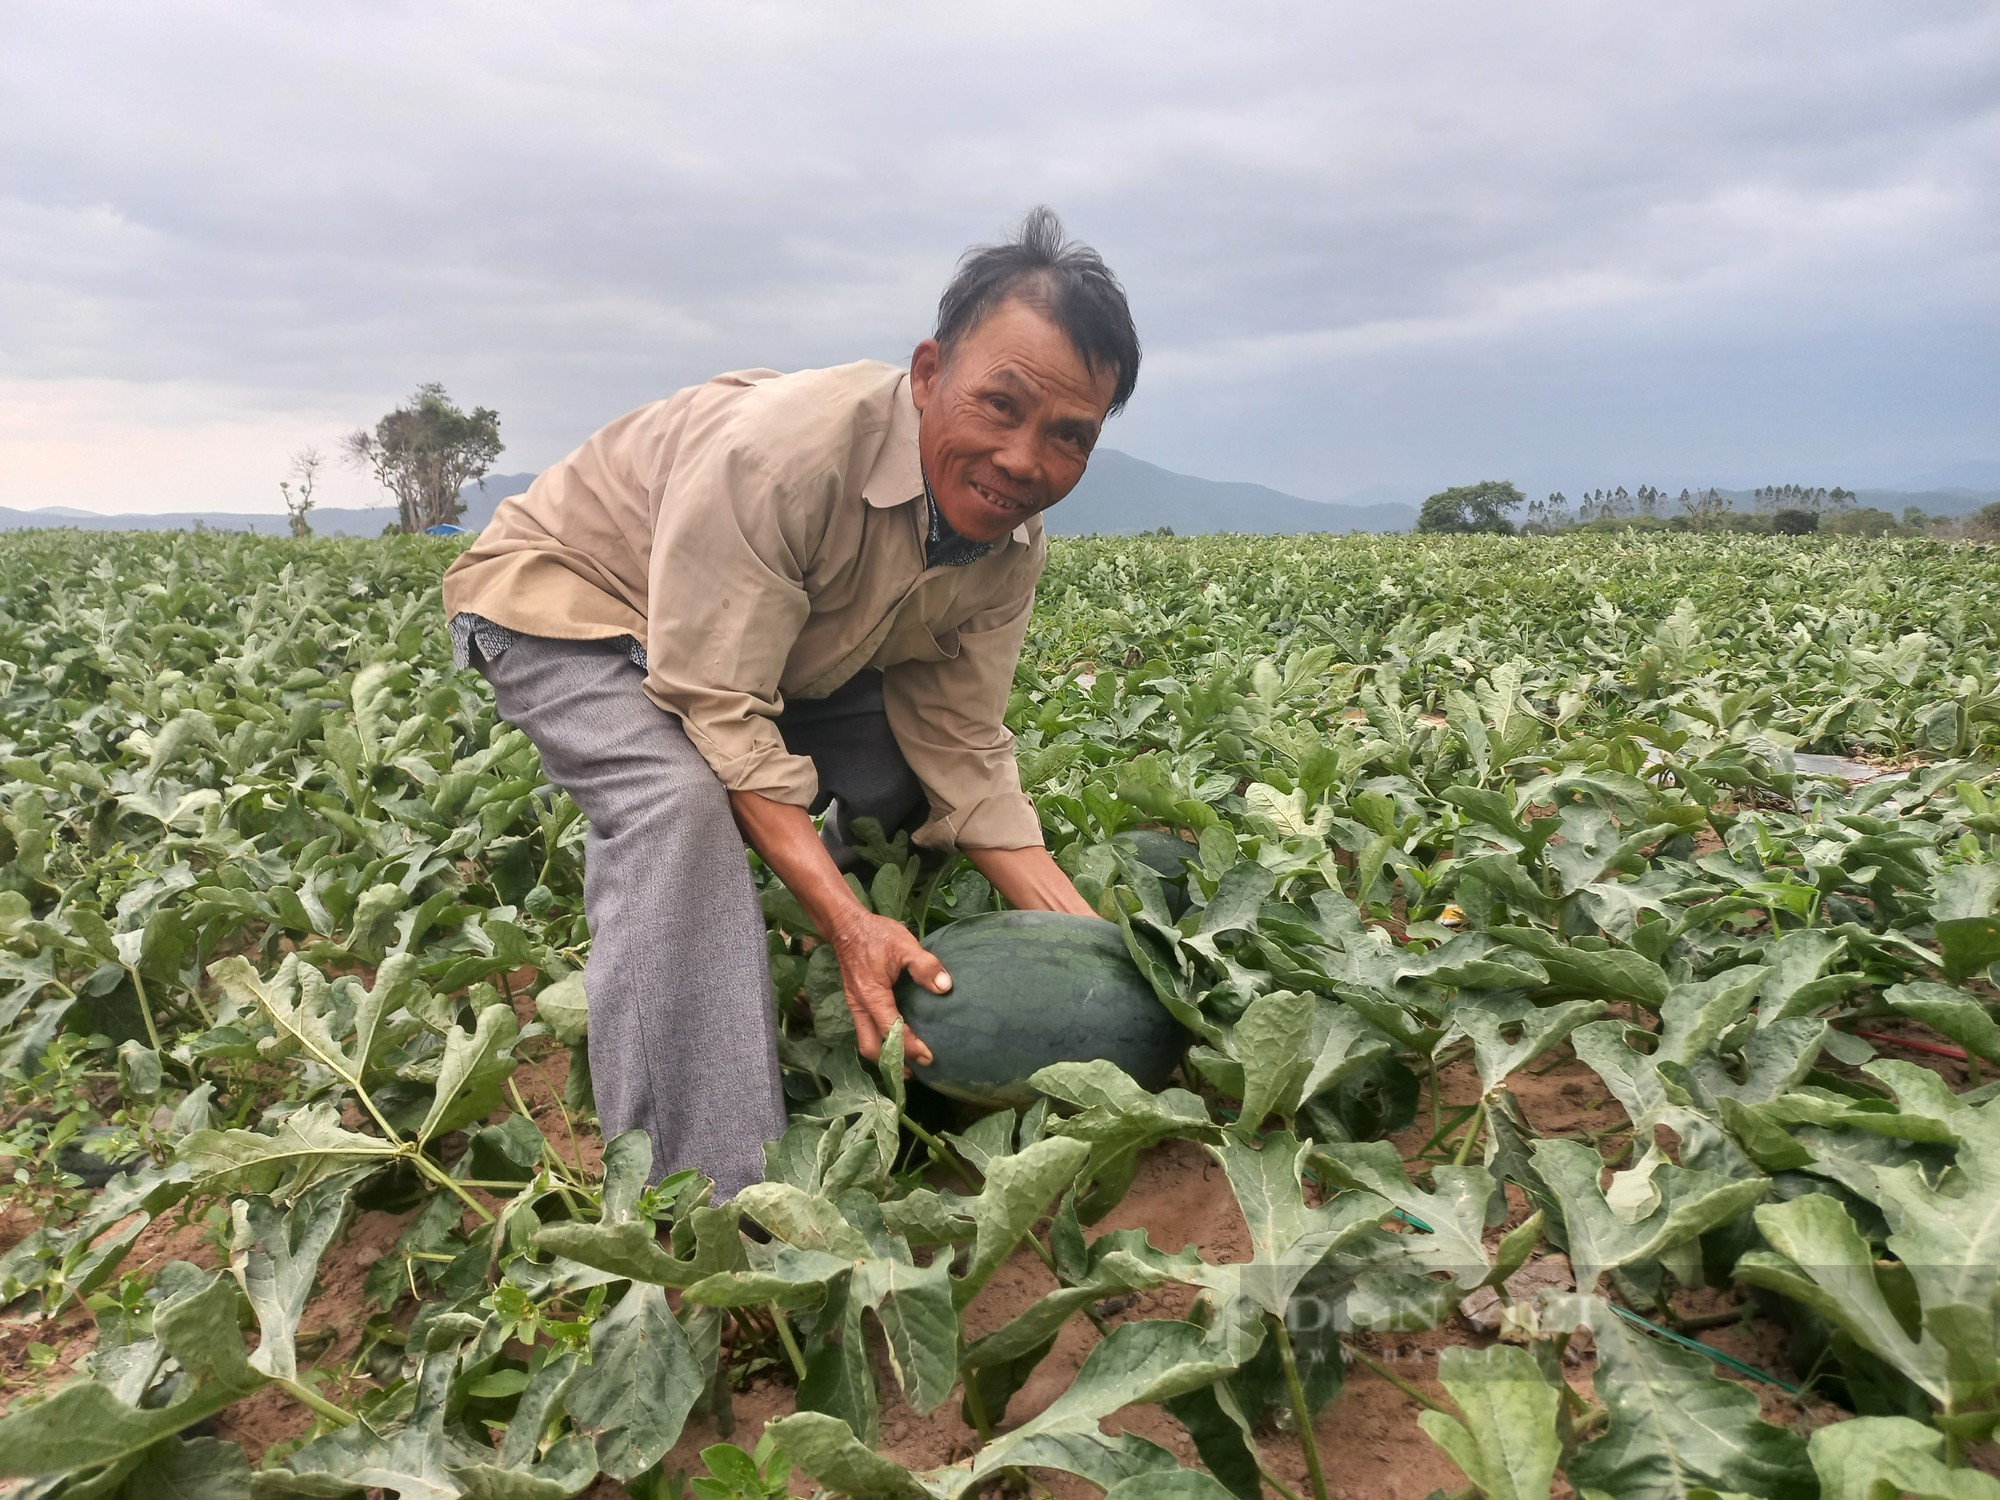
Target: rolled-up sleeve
(727, 602)
(948, 718)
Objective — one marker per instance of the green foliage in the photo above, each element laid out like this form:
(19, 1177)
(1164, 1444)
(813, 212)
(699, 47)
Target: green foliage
(1866, 520)
(736, 1475)
(1873, 1457)
(1507, 1443)
(289, 922)
(133, 1401)
(1674, 1425)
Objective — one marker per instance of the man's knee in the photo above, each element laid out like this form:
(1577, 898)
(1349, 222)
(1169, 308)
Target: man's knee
(887, 792)
(862, 771)
(896, 809)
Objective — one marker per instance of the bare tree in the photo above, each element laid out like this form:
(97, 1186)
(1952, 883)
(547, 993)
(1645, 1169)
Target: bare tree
(425, 453)
(298, 505)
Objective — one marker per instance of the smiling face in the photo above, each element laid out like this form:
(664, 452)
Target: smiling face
(1008, 420)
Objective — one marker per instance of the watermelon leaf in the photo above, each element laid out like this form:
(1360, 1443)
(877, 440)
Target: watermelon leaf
(1506, 1443)
(1674, 1424)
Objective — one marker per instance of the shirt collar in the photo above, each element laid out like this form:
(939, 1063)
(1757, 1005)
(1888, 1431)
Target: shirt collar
(898, 475)
(944, 547)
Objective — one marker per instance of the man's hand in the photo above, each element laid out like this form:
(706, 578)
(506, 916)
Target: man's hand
(874, 953)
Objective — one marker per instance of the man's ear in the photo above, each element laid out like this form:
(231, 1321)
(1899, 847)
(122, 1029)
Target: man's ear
(926, 369)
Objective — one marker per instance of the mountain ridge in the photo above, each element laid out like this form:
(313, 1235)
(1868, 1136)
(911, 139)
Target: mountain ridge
(1120, 495)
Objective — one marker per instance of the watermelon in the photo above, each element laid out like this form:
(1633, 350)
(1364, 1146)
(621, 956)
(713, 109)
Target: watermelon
(1030, 988)
(1166, 855)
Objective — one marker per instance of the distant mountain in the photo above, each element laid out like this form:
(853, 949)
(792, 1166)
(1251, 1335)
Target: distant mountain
(1121, 495)
(326, 520)
(80, 520)
(482, 501)
(1974, 474)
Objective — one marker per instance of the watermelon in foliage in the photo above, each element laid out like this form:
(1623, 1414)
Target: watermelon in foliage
(1030, 989)
(1166, 855)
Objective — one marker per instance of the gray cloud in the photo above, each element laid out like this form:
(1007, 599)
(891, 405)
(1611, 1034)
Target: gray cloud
(1578, 243)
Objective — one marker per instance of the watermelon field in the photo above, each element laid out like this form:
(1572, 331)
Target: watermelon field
(1586, 946)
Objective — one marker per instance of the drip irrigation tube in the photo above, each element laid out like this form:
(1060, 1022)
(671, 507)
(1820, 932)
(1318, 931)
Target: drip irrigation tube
(1934, 1048)
(1699, 1347)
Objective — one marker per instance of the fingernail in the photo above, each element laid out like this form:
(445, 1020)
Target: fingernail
(944, 982)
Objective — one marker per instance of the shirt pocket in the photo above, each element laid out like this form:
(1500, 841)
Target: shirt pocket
(912, 639)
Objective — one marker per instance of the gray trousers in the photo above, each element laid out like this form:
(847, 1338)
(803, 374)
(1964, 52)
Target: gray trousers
(683, 1041)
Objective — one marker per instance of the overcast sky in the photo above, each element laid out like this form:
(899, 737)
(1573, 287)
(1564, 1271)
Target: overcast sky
(1367, 245)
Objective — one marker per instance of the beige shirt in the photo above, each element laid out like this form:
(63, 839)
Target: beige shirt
(763, 535)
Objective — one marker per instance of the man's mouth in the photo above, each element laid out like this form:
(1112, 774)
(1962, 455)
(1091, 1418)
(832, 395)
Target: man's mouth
(1000, 502)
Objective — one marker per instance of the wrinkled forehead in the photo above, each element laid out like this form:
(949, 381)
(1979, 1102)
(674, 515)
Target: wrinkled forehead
(1020, 346)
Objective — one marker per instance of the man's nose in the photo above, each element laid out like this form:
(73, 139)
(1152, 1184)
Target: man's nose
(1019, 458)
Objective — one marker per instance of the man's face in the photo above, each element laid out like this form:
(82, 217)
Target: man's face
(1008, 421)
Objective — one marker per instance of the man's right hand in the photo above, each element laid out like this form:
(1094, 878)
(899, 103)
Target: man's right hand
(874, 953)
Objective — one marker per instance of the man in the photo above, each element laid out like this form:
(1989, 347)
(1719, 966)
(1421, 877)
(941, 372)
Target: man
(771, 593)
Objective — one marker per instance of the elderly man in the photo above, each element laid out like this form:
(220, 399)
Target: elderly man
(770, 595)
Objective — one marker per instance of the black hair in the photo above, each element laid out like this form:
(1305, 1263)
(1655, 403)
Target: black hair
(1066, 281)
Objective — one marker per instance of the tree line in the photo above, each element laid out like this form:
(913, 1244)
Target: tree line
(1786, 509)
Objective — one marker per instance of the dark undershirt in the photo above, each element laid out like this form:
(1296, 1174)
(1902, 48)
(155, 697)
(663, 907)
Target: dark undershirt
(943, 547)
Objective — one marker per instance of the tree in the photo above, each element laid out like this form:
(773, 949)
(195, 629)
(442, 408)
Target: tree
(425, 453)
(305, 471)
(1792, 521)
(1704, 507)
(1471, 507)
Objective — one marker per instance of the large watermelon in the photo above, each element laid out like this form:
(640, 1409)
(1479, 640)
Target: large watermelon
(1030, 988)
